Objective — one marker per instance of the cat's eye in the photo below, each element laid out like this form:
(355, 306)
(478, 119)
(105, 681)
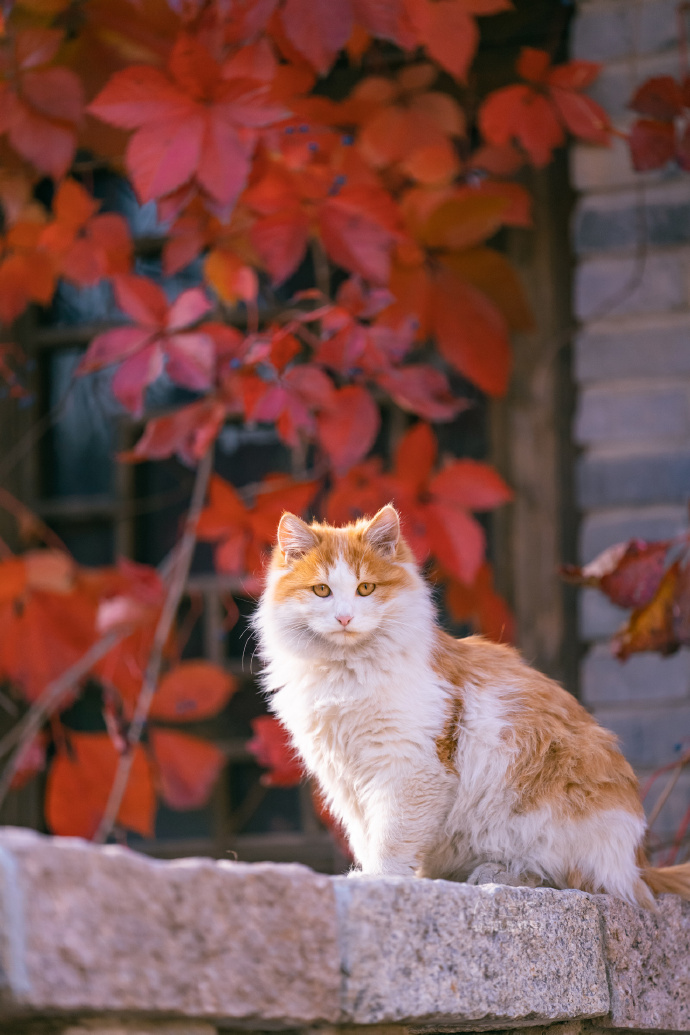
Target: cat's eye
(365, 588)
(322, 590)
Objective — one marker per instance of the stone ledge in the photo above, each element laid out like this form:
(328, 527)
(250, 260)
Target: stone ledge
(103, 933)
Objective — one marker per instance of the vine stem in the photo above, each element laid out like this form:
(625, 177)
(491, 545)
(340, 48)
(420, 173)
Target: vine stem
(179, 571)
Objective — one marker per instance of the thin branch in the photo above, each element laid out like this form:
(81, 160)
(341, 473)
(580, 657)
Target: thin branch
(322, 269)
(27, 518)
(666, 793)
(27, 728)
(179, 572)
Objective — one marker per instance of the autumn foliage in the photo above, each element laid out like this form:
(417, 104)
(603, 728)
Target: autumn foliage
(380, 204)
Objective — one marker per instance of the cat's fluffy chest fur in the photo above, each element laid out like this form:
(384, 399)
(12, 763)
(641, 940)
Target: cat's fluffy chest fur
(438, 755)
(360, 734)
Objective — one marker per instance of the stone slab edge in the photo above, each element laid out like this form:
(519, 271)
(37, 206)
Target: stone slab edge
(87, 930)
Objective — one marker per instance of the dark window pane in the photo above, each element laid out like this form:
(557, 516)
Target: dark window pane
(90, 542)
(78, 452)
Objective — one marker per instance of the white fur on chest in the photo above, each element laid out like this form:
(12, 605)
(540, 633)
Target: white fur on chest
(360, 720)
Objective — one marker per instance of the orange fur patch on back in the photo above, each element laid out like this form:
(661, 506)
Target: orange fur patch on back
(562, 757)
(349, 545)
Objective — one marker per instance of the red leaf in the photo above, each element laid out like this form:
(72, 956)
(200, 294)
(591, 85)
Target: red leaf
(574, 75)
(628, 573)
(225, 509)
(112, 347)
(521, 113)
(13, 578)
(660, 98)
(187, 767)
(451, 36)
(358, 228)
(415, 456)
(423, 390)
(349, 426)
(385, 19)
(163, 156)
(191, 360)
(583, 116)
(141, 299)
(363, 490)
(481, 605)
(36, 46)
(79, 783)
(456, 539)
(188, 308)
(281, 241)
(652, 144)
(471, 485)
(48, 145)
(472, 335)
(318, 29)
(42, 637)
(134, 376)
(465, 220)
(188, 432)
(72, 205)
(652, 627)
(55, 93)
(272, 749)
(192, 690)
(533, 64)
(138, 95)
(225, 163)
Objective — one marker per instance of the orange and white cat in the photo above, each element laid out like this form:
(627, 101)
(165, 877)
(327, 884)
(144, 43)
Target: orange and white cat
(441, 757)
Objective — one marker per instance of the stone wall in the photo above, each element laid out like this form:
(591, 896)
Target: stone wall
(102, 940)
(631, 236)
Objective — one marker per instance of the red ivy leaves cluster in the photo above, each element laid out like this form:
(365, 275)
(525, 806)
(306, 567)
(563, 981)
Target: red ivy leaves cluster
(663, 133)
(211, 111)
(551, 102)
(52, 611)
(653, 578)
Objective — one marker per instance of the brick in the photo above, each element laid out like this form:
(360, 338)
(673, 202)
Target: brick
(660, 218)
(601, 530)
(614, 414)
(605, 32)
(649, 737)
(657, 345)
(599, 619)
(612, 481)
(602, 33)
(616, 286)
(643, 677)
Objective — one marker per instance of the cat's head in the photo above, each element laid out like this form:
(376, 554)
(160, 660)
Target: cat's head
(333, 592)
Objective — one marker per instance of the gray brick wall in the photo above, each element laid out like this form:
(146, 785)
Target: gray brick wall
(631, 364)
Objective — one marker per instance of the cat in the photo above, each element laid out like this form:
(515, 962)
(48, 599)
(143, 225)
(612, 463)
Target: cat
(442, 758)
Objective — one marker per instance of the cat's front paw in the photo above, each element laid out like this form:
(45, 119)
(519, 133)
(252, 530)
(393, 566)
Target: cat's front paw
(496, 873)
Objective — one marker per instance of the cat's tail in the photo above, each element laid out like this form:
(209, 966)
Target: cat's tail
(670, 880)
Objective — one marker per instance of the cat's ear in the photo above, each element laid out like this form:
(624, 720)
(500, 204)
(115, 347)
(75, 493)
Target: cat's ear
(383, 531)
(295, 537)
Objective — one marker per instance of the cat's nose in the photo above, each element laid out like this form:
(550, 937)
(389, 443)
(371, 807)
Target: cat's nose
(344, 619)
